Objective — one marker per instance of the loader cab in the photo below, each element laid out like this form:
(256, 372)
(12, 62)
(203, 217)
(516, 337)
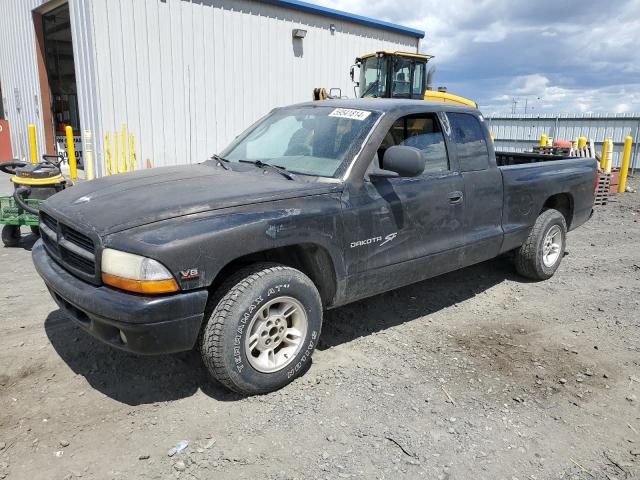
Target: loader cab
(392, 75)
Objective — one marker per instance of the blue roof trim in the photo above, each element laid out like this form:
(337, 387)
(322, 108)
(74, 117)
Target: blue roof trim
(350, 17)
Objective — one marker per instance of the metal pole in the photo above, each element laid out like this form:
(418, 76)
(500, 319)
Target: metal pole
(107, 148)
(123, 139)
(604, 156)
(33, 147)
(132, 155)
(624, 167)
(71, 153)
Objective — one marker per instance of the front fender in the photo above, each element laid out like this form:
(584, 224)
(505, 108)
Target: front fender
(206, 242)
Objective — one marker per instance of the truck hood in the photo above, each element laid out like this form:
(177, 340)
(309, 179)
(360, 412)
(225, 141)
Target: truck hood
(112, 204)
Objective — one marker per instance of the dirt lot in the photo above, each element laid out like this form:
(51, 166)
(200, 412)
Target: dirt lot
(474, 375)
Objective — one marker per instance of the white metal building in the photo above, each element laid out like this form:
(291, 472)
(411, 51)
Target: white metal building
(519, 133)
(184, 76)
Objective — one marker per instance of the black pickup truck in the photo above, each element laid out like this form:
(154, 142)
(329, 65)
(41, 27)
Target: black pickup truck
(312, 207)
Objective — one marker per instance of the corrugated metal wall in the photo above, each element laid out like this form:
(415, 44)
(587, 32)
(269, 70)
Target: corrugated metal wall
(185, 76)
(521, 132)
(19, 73)
(188, 76)
(81, 17)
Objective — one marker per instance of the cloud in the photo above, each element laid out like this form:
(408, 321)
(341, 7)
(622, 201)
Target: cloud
(559, 56)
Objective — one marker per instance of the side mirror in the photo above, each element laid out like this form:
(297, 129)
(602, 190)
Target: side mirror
(352, 73)
(400, 161)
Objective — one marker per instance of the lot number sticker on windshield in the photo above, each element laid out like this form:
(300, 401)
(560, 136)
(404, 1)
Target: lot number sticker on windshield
(350, 113)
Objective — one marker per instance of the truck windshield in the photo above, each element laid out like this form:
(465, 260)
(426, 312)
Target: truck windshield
(318, 141)
(373, 77)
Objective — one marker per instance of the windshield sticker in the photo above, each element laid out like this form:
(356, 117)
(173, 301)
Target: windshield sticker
(350, 113)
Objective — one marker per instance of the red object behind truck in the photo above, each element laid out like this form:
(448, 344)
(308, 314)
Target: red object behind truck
(6, 153)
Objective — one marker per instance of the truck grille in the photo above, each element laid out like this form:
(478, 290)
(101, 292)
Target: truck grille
(73, 250)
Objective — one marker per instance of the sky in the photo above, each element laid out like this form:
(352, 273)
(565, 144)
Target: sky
(554, 56)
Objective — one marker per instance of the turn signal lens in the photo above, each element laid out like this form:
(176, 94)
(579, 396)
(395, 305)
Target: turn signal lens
(135, 273)
(140, 286)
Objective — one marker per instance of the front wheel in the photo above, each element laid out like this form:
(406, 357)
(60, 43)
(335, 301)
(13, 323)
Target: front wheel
(260, 335)
(11, 235)
(540, 255)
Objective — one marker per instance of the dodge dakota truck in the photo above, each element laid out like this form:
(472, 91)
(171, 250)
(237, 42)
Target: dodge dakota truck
(314, 206)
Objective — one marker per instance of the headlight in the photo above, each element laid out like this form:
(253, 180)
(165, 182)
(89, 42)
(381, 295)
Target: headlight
(135, 273)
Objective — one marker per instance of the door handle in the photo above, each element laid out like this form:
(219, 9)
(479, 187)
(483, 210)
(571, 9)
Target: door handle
(456, 198)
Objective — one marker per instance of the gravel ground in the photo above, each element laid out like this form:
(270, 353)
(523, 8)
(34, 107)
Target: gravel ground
(477, 374)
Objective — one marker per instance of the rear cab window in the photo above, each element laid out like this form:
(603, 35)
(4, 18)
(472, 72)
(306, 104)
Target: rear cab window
(470, 141)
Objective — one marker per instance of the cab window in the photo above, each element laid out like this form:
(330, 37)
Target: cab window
(422, 132)
(401, 78)
(471, 145)
(418, 80)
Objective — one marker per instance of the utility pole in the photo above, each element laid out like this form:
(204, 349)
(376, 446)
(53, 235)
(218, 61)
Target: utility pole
(526, 102)
(514, 105)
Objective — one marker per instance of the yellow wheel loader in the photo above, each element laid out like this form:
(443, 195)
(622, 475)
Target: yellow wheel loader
(396, 75)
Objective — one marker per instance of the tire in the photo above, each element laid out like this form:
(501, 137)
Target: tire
(257, 307)
(35, 229)
(537, 258)
(11, 235)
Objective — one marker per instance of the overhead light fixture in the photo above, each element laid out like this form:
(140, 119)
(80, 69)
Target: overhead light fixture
(299, 33)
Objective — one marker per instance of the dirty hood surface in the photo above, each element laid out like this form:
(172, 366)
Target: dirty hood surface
(116, 203)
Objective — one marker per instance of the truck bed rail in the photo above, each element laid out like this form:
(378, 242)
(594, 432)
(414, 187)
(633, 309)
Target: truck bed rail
(519, 158)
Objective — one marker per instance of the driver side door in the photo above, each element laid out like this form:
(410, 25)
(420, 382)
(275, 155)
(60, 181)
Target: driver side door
(401, 230)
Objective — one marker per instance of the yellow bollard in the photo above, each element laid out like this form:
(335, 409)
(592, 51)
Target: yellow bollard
(582, 142)
(603, 155)
(107, 151)
(71, 153)
(116, 159)
(624, 168)
(610, 156)
(123, 139)
(33, 147)
(543, 140)
(132, 154)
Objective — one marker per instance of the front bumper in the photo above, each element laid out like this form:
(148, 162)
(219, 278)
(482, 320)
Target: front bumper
(136, 323)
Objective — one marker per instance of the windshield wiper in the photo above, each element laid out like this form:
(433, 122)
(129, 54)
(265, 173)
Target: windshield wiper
(221, 160)
(281, 170)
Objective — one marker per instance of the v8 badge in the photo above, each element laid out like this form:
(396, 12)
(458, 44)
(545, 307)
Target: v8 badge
(190, 274)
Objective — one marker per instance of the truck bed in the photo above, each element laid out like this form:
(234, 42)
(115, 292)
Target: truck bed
(529, 179)
(520, 158)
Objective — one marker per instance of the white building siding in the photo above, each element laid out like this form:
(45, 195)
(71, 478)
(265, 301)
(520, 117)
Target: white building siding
(187, 77)
(19, 74)
(521, 132)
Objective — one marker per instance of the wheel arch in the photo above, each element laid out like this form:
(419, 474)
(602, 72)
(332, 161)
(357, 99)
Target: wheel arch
(312, 259)
(562, 202)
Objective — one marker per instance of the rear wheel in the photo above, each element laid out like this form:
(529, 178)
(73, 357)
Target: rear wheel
(260, 335)
(540, 255)
(11, 235)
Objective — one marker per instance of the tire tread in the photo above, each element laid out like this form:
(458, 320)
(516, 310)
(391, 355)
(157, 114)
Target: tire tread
(526, 261)
(219, 307)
